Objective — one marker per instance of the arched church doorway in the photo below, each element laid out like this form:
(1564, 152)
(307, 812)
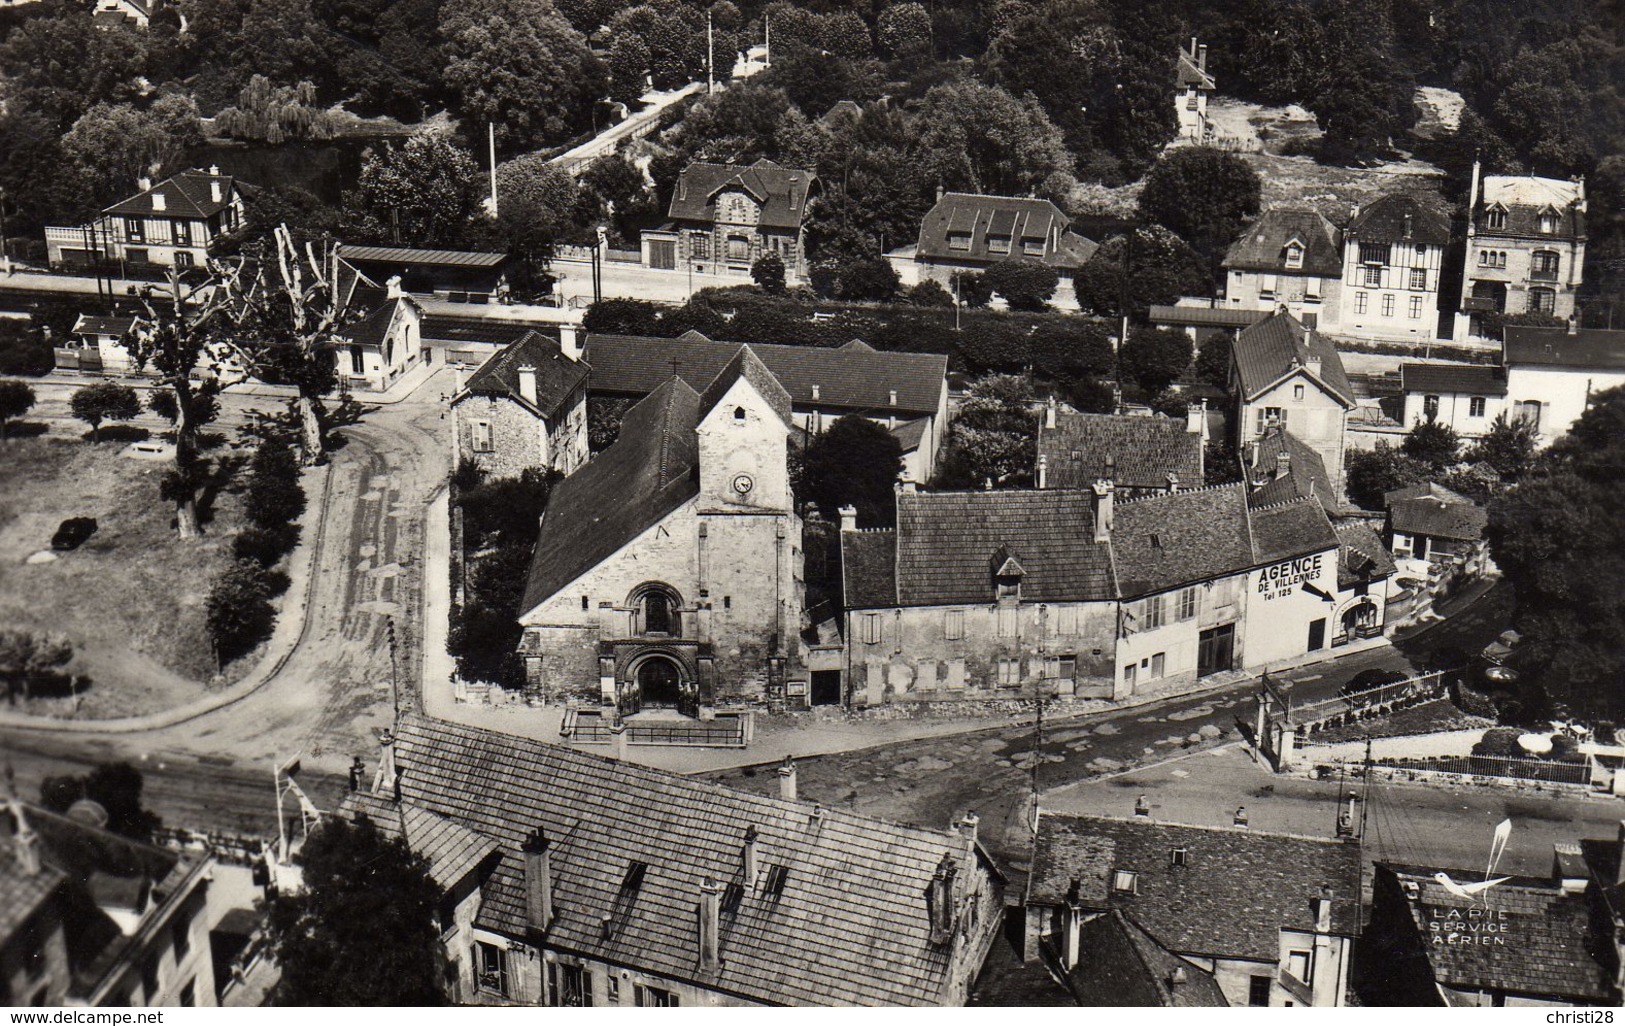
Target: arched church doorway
(659, 683)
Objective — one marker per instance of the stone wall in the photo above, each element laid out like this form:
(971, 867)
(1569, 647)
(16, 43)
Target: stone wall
(518, 439)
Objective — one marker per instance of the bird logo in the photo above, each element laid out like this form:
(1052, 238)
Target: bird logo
(1471, 891)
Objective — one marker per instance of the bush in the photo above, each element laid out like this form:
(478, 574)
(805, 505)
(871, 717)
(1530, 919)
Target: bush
(16, 399)
(930, 293)
(105, 400)
(264, 546)
(768, 274)
(238, 610)
(24, 351)
(1500, 741)
(1024, 284)
(873, 279)
(974, 290)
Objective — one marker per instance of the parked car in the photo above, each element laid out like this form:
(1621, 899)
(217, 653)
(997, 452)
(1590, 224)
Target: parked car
(73, 533)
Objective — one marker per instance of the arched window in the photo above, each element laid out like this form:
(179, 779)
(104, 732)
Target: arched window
(654, 609)
(657, 613)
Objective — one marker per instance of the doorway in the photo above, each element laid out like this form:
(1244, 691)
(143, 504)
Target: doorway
(1216, 650)
(659, 684)
(826, 687)
(1317, 634)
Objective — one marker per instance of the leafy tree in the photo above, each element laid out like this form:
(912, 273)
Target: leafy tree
(872, 279)
(1372, 473)
(1025, 284)
(26, 658)
(621, 317)
(973, 288)
(119, 143)
(1213, 359)
(1088, 394)
(854, 463)
(768, 274)
(930, 293)
(1560, 542)
(1154, 358)
(275, 114)
(628, 63)
(506, 511)
(358, 886)
(62, 62)
(116, 787)
(519, 65)
(16, 399)
(1161, 267)
(274, 497)
(105, 400)
(995, 436)
(1433, 443)
(420, 194)
(979, 138)
(24, 350)
(539, 204)
(904, 31)
(183, 350)
(1067, 346)
(1203, 195)
(1220, 463)
(237, 612)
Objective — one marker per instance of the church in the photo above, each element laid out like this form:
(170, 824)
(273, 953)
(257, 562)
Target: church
(668, 572)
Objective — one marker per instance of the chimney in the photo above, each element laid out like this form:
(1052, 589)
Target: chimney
(710, 925)
(216, 193)
(967, 829)
(748, 857)
(387, 781)
(1043, 471)
(1407, 227)
(1178, 976)
(570, 341)
(26, 841)
(358, 773)
(392, 287)
(1196, 419)
(787, 772)
(1201, 57)
(1240, 818)
(214, 169)
(815, 391)
(1472, 197)
(1283, 464)
(143, 183)
(1312, 361)
(1103, 512)
(892, 397)
(527, 383)
(538, 882)
(1569, 868)
(1050, 407)
(941, 900)
(1323, 911)
(1192, 54)
(849, 522)
(1142, 807)
(158, 202)
(908, 486)
(1072, 925)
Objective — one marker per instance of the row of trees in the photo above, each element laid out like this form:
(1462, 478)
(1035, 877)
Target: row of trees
(239, 614)
(500, 519)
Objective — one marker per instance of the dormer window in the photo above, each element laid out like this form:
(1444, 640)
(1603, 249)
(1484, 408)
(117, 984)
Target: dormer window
(1125, 881)
(1294, 255)
(998, 243)
(1179, 857)
(1548, 222)
(1032, 247)
(1009, 587)
(959, 241)
(1496, 217)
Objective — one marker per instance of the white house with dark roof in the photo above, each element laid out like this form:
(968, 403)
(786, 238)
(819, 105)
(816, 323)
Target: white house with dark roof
(1526, 244)
(668, 571)
(1465, 397)
(1393, 255)
(1289, 256)
(1366, 579)
(1284, 373)
(907, 393)
(725, 217)
(173, 223)
(96, 344)
(1193, 84)
(380, 345)
(976, 596)
(1271, 917)
(1553, 373)
(525, 407)
(573, 880)
(972, 232)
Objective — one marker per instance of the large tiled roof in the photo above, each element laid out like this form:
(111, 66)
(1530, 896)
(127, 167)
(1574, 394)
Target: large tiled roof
(1550, 945)
(557, 376)
(1289, 529)
(1361, 554)
(1124, 967)
(1439, 514)
(475, 329)
(1205, 316)
(947, 543)
(21, 895)
(846, 925)
(855, 378)
(1524, 198)
(1555, 347)
(1189, 74)
(781, 191)
(1270, 349)
(1452, 378)
(373, 328)
(1262, 247)
(746, 365)
(1305, 475)
(978, 216)
(429, 257)
(628, 488)
(188, 194)
(1236, 891)
(1165, 541)
(1385, 220)
(91, 324)
(869, 568)
(451, 849)
(1135, 452)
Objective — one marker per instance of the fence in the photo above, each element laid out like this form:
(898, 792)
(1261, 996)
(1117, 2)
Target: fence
(1380, 699)
(1496, 766)
(727, 730)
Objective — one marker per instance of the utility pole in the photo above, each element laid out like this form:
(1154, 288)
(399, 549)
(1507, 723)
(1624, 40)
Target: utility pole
(710, 56)
(767, 41)
(491, 133)
(394, 680)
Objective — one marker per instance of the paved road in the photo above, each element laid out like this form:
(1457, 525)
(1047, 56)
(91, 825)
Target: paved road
(333, 692)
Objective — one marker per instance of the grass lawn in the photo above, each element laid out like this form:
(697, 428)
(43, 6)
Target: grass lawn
(130, 599)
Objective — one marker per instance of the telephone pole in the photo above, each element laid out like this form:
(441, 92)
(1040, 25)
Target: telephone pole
(710, 56)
